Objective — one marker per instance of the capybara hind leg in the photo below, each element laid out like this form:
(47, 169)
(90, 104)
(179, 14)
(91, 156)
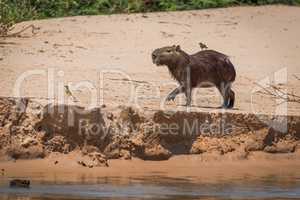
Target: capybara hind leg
(188, 95)
(231, 99)
(227, 94)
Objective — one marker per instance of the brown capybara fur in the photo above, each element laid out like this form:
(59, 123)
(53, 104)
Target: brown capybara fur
(203, 69)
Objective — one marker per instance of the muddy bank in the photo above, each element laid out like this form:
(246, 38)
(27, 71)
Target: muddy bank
(29, 130)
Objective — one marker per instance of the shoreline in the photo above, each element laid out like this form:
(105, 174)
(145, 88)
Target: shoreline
(83, 47)
(189, 168)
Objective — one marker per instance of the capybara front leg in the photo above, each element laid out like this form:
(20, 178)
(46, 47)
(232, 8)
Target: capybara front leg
(174, 93)
(188, 95)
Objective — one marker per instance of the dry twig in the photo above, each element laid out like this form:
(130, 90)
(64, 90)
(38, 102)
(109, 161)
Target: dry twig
(296, 77)
(18, 34)
(276, 92)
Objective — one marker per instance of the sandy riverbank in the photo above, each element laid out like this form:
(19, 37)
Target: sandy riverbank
(193, 168)
(263, 43)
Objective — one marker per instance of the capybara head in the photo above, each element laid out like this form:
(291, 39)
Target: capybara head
(166, 55)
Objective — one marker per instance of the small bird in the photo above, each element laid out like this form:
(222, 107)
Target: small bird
(69, 93)
(203, 46)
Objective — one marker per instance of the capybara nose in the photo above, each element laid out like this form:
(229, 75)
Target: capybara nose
(153, 56)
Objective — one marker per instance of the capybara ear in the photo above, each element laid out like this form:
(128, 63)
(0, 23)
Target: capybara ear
(178, 48)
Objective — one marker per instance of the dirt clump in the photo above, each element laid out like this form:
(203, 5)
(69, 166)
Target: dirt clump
(118, 147)
(57, 144)
(94, 159)
(18, 152)
(283, 146)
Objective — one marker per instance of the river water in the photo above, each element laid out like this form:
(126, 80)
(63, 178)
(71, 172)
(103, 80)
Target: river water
(156, 187)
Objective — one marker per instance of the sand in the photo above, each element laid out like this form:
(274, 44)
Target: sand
(262, 42)
(189, 168)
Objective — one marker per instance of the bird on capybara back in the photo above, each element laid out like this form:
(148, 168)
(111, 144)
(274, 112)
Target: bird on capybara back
(207, 68)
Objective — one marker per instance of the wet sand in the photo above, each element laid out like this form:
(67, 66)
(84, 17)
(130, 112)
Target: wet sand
(189, 177)
(196, 168)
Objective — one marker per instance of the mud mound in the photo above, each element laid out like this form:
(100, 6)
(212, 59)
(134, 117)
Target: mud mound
(221, 133)
(18, 137)
(30, 130)
(71, 125)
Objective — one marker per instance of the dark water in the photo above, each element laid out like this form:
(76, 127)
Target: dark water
(156, 187)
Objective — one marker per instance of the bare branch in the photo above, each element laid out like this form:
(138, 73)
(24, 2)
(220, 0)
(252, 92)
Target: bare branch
(296, 77)
(278, 93)
(18, 34)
